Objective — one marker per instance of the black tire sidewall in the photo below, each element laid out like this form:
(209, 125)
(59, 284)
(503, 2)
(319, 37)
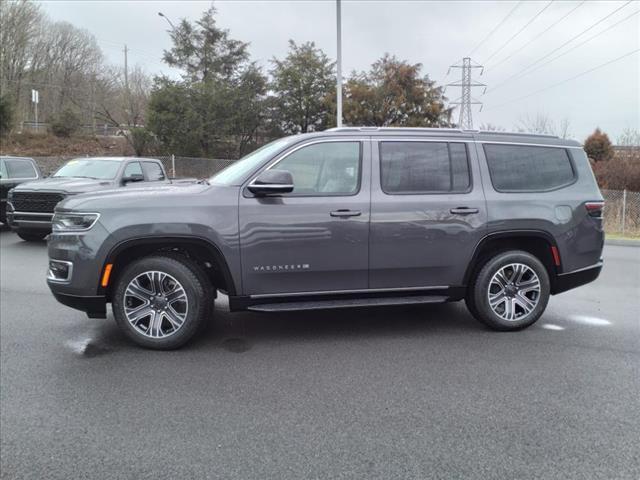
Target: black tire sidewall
(184, 273)
(31, 237)
(481, 285)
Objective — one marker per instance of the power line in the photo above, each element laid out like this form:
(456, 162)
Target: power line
(519, 73)
(566, 80)
(576, 46)
(539, 35)
(519, 31)
(495, 29)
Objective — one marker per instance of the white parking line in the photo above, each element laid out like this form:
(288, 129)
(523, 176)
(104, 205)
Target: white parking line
(586, 320)
(551, 326)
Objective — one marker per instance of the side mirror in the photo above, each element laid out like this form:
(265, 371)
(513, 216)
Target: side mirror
(134, 177)
(272, 182)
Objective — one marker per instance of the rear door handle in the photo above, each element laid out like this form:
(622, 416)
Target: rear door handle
(463, 210)
(346, 213)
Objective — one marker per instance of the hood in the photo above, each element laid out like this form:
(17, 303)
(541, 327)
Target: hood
(70, 185)
(156, 195)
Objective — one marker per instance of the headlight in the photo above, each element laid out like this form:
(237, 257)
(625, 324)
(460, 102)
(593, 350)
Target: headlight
(73, 222)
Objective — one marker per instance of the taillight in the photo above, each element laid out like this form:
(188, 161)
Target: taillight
(595, 209)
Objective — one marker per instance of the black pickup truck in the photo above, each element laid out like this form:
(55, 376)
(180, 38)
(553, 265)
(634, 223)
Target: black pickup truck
(13, 172)
(30, 205)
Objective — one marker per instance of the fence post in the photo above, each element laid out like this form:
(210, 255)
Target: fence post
(173, 165)
(624, 209)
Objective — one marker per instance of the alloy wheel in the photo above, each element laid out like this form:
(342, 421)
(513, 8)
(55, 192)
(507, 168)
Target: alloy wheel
(155, 304)
(514, 291)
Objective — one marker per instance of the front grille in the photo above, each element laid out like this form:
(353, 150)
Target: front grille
(35, 201)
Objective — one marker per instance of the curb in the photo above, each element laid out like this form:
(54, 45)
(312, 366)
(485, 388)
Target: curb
(622, 242)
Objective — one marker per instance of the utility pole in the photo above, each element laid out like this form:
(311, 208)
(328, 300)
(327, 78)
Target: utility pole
(126, 69)
(466, 100)
(35, 99)
(339, 66)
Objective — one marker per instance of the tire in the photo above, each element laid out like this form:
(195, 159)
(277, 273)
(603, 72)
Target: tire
(162, 323)
(31, 237)
(519, 287)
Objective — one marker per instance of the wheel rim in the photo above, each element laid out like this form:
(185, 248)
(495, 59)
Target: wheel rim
(514, 292)
(155, 304)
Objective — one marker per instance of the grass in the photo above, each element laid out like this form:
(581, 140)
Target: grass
(627, 236)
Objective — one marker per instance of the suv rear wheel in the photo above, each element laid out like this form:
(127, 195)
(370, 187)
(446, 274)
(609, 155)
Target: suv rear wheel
(161, 301)
(510, 292)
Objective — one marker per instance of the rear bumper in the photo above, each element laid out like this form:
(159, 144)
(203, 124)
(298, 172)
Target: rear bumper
(570, 280)
(94, 307)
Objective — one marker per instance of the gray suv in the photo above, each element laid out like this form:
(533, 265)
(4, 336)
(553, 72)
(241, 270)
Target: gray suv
(349, 217)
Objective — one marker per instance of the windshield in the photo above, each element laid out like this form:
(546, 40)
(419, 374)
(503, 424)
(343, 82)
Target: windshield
(235, 173)
(89, 168)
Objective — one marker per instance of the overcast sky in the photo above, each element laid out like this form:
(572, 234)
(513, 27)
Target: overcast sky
(435, 34)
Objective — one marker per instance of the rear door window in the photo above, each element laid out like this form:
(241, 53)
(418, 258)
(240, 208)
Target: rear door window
(424, 167)
(153, 171)
(17, 168)
(524, 168)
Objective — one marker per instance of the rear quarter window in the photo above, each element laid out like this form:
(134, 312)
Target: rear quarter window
(524, 168)
(153, 171)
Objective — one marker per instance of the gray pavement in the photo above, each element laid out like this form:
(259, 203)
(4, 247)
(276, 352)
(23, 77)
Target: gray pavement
(407, 393)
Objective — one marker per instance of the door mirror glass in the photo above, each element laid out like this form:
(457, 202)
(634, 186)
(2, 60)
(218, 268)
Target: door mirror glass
(272, 182)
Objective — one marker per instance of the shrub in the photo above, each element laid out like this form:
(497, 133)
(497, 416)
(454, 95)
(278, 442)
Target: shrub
(598, 146)
(619, 173)
(65, 124)
(142, 140)
(6, 114)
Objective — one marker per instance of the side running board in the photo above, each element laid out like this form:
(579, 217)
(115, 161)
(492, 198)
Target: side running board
(346, 303)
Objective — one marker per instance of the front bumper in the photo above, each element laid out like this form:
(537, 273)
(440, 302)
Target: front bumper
(85, 252)
(94, 306)
(576, 278)
(30, 221)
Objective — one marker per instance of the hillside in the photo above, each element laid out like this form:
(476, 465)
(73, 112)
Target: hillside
(39, 145)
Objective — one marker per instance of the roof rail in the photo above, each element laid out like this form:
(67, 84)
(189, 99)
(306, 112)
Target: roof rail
(394, 129)
(516, 134)
(435, 129)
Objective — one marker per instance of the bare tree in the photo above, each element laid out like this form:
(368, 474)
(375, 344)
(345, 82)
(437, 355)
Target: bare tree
(541, 123)
(630, 137)
(19, 25)
(490, 127)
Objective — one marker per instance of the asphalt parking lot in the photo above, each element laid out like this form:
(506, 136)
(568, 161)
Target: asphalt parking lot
(408, 393)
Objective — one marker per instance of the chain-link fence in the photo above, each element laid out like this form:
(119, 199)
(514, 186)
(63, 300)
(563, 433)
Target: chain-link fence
(185, 167)
(622, 212)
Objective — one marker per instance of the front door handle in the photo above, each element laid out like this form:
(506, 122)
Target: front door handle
(463, 210)
(345, 213)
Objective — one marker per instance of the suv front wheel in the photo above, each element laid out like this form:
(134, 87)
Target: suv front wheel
(510, 292)
(161, 301)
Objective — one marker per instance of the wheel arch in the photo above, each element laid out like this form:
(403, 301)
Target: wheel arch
(203, 251)
(539, 243)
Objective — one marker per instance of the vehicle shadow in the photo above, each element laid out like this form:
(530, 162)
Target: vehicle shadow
(239, 332)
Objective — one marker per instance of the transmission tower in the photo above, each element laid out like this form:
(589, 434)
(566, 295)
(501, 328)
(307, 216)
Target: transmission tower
(466, 83)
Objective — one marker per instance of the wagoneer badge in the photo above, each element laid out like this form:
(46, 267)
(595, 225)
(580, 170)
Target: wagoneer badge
(281, 268)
